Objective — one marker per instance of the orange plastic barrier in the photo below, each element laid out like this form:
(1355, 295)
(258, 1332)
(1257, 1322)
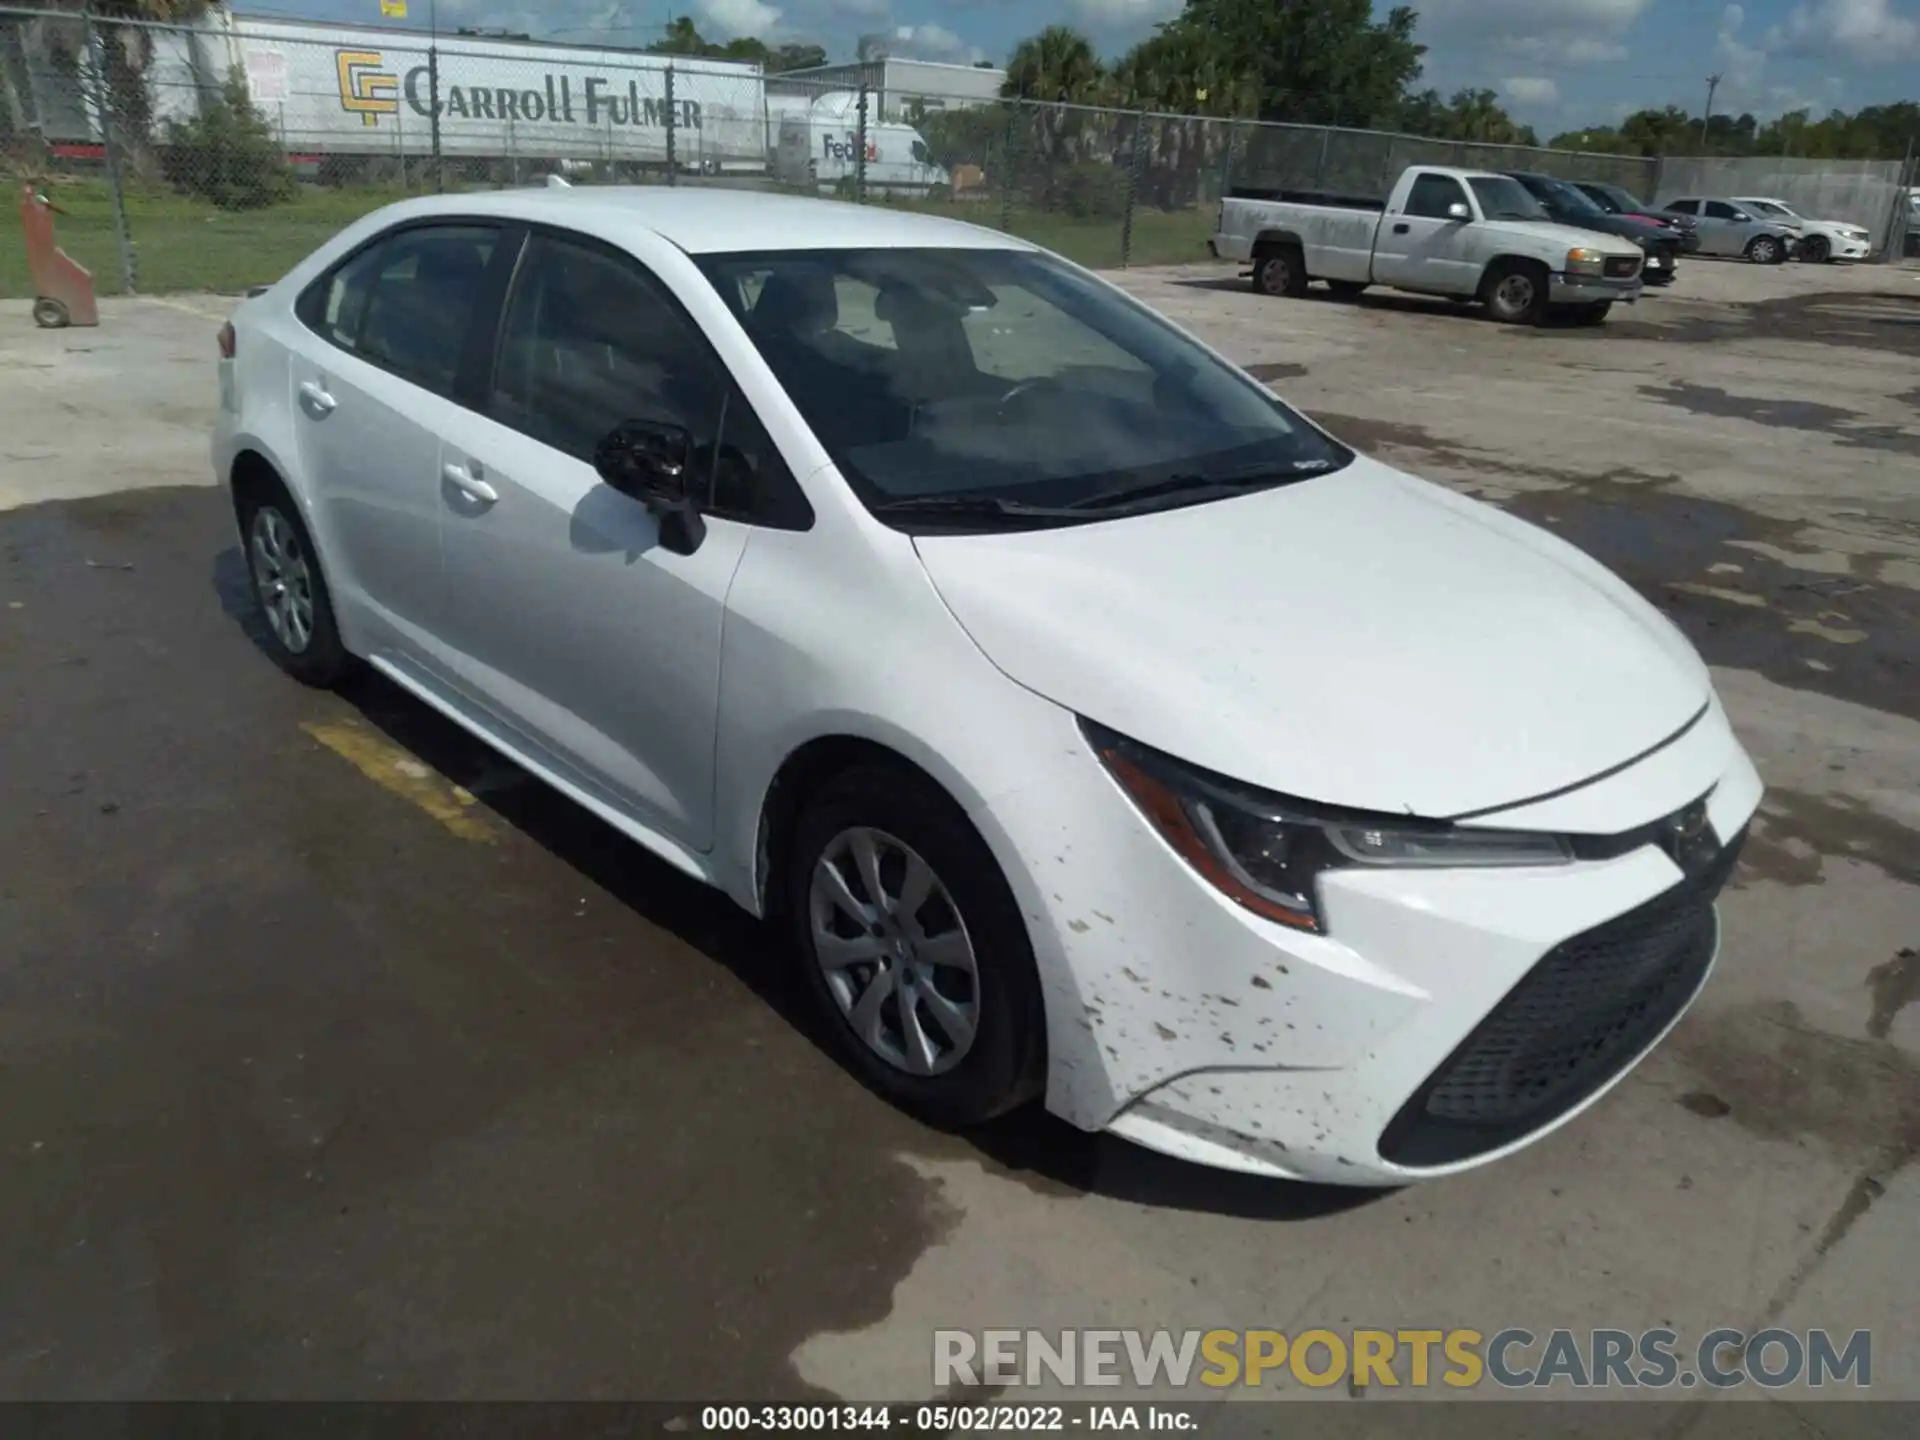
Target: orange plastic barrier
(62, 288)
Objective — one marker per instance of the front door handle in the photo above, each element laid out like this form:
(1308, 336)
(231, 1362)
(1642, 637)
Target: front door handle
(317, 400)
(469, 483)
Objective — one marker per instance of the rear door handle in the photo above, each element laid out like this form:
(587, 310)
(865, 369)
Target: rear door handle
(1401, 229)
(469, 483)
(317, 399)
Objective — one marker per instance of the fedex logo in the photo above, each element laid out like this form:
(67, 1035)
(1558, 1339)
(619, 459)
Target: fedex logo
(847, 149)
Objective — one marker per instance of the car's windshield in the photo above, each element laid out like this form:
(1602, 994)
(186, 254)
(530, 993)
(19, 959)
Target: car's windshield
(1623, 201)
(948, 380)
(1504, 199)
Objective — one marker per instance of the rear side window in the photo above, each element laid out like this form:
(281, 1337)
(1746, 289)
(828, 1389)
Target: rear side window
(1432, 194)
(406, 303)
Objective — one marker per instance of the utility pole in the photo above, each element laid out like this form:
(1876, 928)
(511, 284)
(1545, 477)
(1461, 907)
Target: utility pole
(1713, 84)
(433, 89)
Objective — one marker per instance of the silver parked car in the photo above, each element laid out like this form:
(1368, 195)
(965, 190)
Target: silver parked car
(1728, 227)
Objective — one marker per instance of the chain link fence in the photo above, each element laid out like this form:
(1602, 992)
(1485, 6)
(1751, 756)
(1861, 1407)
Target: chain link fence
(214, 156)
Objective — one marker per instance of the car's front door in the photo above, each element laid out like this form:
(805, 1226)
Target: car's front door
(373, 380)
(566, 619)
(1425, 246)
(1727, 229)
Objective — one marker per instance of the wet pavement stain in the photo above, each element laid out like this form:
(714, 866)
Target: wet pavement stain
(1881, 320)
(1369, 436)
(1844, 426)
(1276, 370)
(304, 1096)
(1660, 540)
(1894, 985)
(1795, 834)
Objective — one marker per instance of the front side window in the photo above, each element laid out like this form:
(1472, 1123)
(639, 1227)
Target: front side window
(1432, 194)
(1685, 207)
(406, 302)
(590, 341)
(1719, 210)
(1002, 378)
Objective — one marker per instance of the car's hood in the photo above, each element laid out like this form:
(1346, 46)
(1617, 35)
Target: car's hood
(1554, 233)
(1625, 226)
(1361, 639)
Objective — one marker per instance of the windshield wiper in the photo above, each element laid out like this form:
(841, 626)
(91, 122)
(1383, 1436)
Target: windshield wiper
(1222, 483)
(970, 507)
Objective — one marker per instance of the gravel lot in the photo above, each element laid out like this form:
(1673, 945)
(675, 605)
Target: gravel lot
(321, 1078)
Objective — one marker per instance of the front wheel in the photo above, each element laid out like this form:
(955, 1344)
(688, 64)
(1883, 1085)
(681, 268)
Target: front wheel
(1765, 250)
(1516, 293)
(914, 948)
(1816, 250)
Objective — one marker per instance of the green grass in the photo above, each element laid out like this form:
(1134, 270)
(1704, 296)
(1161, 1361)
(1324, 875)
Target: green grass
(186, 244)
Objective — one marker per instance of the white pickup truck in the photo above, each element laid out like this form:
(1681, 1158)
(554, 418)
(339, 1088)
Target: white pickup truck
(1467, 234)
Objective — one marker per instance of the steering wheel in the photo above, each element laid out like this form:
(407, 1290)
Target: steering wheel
(1025, 387)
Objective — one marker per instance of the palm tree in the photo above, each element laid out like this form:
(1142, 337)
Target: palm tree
(1059, 65)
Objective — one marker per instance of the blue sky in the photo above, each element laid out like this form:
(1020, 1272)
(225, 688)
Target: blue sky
(1558, 63)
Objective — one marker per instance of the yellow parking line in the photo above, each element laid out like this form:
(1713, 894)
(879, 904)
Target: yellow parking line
(394, 770)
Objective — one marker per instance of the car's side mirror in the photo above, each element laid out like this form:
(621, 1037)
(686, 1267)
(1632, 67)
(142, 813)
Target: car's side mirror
(653, 463)
(1458, 211)
(1741, 216)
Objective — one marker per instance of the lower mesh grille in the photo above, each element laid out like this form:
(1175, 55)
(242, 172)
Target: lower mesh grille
(1577, 1018)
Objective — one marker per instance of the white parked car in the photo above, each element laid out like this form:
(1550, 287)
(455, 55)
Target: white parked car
(1097, 727)
(1820, 240)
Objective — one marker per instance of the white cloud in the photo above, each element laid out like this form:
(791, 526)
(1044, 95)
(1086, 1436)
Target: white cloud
(861, 9)
(1873, 32)
(740, 17)
(934, 42)
(1530, 90)
(1127, 15)
(1573, 32)
(1741, 63)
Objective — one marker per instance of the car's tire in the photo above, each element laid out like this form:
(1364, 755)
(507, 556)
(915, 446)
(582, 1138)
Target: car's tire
(1816, 250)
(283, 568)
(51, 314)
(1280, 270)
(1515, 292)
(962, 956)
(1593, 314)
(1348, 289)
(1766, 250)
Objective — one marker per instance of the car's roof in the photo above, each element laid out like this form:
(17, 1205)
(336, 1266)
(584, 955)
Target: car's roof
(710, 221)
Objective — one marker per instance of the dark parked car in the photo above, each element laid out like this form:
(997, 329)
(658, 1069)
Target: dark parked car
(1618, 200)
(1568, 205)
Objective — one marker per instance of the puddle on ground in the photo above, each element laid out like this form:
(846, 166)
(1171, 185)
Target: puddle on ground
(1844, 426)
(1859, 320)
(1795, 833)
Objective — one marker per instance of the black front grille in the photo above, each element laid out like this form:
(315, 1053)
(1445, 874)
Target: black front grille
(1622, 267)
(1571, 1024)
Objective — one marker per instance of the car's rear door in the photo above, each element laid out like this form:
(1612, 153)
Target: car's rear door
(386, 333)
(567, 621)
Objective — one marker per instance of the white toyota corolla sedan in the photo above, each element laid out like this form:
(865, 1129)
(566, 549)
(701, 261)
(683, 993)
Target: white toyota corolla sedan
(1099, 728)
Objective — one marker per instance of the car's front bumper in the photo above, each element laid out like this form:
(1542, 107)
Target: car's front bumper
(1187, 1024)
(1594, 289)
(1845, 247)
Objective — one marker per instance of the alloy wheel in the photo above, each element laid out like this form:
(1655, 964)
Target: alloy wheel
(894, 952)
(282, 578)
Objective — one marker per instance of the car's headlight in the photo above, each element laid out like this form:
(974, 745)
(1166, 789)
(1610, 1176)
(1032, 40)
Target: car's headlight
(1582, 261)
(1267, 852)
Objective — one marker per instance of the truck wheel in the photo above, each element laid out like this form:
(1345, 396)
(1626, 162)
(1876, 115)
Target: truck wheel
(1765, 250)
(1348, 289)
(1280, 271)
(1516, 292)
(1816, 250)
